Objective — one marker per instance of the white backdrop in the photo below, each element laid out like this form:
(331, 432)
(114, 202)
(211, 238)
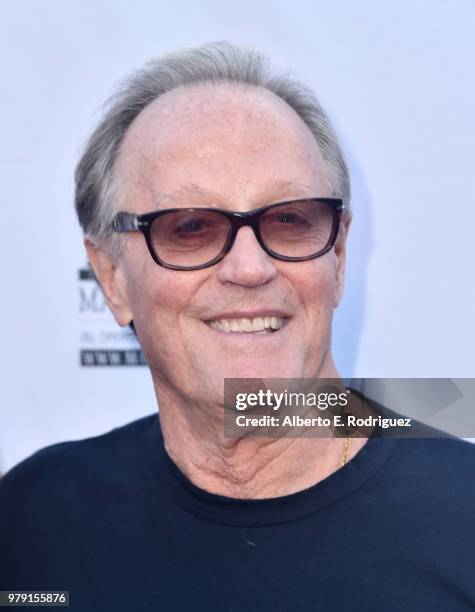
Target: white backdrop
(397, 80)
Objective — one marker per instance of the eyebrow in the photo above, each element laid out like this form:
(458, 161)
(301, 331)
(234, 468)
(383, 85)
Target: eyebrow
(192, 193)
(187, 193)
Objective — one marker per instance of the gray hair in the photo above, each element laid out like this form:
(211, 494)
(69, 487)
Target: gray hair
(219, 62)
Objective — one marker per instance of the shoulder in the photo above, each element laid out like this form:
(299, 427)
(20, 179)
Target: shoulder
(433, 476)
(64, 496)
(427, 452)
(69, 466)
(438, 458)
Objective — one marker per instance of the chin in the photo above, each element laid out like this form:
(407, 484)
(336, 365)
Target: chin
(272, 368)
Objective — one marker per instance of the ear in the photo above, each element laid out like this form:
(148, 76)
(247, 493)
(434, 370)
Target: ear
(110, 274)
(340, 252)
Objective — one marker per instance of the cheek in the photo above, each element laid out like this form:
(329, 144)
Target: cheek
(158, 298)
(154, 292)
(317, 294)
(316, 287)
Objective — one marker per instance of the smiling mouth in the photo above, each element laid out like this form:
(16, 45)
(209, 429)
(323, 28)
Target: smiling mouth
(266, 324)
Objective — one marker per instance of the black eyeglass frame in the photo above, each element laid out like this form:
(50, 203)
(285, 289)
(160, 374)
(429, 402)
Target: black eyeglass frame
(129, 222)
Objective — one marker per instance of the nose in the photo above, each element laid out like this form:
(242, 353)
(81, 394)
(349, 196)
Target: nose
(246, 264)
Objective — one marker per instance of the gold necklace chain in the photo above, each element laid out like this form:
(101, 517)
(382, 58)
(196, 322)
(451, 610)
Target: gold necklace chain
(346, 451)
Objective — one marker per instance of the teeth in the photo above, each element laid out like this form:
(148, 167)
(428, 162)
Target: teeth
(244, 325)
(258, 324)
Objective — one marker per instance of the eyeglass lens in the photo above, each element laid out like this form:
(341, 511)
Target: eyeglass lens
(194, 238)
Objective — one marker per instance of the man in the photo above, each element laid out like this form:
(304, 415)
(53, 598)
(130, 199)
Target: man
(238, 279)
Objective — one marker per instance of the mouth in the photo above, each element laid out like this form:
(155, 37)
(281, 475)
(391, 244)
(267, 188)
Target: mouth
(267, 324)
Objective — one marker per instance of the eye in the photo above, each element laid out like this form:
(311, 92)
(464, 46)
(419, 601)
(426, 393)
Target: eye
(191, 226)
(292, 218)
(287, 218)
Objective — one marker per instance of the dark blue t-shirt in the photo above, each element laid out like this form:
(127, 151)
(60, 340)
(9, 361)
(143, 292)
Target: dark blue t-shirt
(113, 521)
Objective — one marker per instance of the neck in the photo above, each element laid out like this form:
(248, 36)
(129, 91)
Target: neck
(247, 467)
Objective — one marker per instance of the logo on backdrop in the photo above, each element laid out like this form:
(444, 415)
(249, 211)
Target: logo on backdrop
(101, 341)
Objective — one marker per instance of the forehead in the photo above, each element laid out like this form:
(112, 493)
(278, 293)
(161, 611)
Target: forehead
(226, 145)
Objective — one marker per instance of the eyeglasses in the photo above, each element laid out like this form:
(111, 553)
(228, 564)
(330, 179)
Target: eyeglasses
(196, 238)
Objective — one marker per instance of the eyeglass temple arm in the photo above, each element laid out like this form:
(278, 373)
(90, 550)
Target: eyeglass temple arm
(127, 222)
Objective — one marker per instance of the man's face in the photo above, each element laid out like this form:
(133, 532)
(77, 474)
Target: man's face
(238, 149)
